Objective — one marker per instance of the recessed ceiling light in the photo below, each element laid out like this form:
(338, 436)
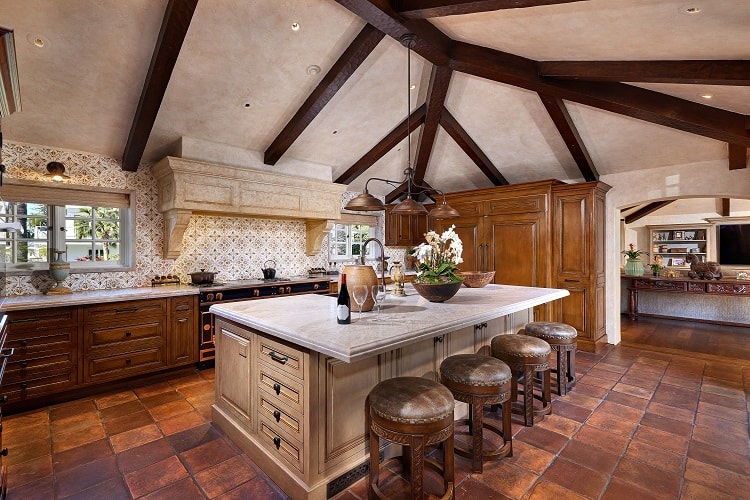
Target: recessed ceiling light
(690, 9)
(37, 41)
(313, 69)
(705, 96)
(295, 26)
(335, 132)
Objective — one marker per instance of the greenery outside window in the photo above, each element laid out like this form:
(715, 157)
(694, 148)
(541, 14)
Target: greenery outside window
(93, 228)
(346, 241)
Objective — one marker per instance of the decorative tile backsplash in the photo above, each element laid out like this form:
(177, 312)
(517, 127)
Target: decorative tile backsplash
(233, 247)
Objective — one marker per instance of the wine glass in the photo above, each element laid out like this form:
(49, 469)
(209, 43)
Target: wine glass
(360, 296)
(378, 294)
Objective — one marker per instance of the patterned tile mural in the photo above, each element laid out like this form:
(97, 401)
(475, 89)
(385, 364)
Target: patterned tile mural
(233, 247)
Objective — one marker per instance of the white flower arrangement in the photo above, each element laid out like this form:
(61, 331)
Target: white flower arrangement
(439, 257)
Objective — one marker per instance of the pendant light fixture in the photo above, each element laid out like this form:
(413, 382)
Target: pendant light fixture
(367, 202)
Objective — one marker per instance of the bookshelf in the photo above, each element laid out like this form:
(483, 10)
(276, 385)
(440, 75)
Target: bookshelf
(673, 244)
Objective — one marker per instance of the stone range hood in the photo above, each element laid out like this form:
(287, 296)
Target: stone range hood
(188, 186)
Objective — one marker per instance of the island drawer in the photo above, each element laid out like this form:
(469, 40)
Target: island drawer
(280, 445)
(280, 417)
(123, 365)
(129, 309)
(283, 391)
(288, 359)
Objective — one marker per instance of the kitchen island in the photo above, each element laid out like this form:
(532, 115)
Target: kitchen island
(291, 383)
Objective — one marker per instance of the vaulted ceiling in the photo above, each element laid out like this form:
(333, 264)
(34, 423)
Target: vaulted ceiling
(505, 91)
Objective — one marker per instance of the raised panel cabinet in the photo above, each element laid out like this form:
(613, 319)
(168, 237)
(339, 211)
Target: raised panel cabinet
(183, 323)
(578, 218)
(404, 230)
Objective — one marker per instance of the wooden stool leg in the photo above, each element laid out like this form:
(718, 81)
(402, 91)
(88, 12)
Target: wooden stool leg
(476, 424)
(507, 428)
(571, 354)
(562, 371)
(546, 392)
(374, 463)
(528, 396)
(448, 468)
(416, 473)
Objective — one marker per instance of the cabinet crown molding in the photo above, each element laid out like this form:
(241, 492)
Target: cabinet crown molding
(188, 186)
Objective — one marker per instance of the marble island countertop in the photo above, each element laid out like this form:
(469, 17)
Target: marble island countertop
(310, 320)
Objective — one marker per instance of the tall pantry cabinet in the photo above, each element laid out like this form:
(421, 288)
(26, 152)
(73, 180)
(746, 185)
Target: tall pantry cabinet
(542, 234)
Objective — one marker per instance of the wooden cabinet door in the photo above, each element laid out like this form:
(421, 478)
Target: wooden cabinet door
(404, 230)
(469, 229)
(181, 337)
(233, 375)
(518, 248)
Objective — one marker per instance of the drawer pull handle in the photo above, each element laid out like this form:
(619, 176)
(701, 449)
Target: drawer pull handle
(277, 415)
(128, 333)
(3, 398)
(24, 386)
(572, 281)
(24, 364)
(439, 339)
(183, 307)
(24, 343)
(126, 310)
(277, 388)
(7, 355)
(127, 361)
(276, 441)
(4, 452)
(277, 358)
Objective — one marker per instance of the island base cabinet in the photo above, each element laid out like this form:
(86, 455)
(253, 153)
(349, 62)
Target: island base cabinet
(233, 387)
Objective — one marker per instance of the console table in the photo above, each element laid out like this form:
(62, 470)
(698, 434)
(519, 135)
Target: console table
(726, 287)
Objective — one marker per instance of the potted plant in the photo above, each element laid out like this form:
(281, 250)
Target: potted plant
(437, 277)
(634, 266)
(655, 268)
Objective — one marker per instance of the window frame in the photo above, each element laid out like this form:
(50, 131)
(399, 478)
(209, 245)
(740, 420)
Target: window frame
(57, 197)
(349, 242)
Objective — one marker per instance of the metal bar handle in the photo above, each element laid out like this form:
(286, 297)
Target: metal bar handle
(277, 358)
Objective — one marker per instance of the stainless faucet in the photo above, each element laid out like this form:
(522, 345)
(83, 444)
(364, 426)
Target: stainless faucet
(382, 256)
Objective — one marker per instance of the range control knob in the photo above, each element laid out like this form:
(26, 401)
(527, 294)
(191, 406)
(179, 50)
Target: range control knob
(288, 289)
(219, 295)
(256, 293)
(209, 296)
(281, 289)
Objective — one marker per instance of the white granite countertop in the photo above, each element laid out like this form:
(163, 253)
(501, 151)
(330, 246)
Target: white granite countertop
(310, 320)
(15, 303)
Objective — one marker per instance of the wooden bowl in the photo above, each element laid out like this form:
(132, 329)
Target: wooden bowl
(477, 279)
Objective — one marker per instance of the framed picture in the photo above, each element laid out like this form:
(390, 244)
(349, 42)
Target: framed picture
(678, 262)
(679, 235)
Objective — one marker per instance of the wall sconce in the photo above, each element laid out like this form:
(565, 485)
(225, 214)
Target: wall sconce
(56, 172)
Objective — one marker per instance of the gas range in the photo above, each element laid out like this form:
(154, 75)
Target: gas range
(248, 289)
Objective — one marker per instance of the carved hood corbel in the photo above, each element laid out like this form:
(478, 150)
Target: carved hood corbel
(188, 186)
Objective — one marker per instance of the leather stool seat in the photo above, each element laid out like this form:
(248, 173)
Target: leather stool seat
(528, 358)
(414, 412)
(479, 381)
(562, 339)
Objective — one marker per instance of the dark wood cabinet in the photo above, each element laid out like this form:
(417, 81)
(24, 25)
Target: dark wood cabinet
(404, 230)
(579, 260)
(542, 234)
(58, 351)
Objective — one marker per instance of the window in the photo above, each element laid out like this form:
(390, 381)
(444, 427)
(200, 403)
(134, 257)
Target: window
(95, 236)
(346, 241)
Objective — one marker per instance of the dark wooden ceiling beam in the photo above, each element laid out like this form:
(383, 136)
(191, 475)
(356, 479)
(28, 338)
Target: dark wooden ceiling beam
(431, 43)
(724, 208)
(440, 79)
(472, 150)
(174, 27)
(618, 98)
(642, 212)
(737, 156)
(354, 55)
(691, 72)
(388, 142)
(569, 133)
(423, 9)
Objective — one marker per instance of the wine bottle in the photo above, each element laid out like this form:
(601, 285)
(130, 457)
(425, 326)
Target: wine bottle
(343, 307)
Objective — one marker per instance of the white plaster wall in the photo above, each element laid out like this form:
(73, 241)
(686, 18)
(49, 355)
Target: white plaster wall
(702, 179)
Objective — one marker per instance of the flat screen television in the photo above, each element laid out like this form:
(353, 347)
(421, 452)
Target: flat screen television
(734, 244)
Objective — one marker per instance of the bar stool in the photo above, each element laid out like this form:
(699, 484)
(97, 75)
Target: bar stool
(414, 412)
(562, 339)
(528, 359)
(480, 380)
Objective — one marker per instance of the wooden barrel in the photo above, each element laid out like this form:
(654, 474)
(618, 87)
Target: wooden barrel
(360, 275)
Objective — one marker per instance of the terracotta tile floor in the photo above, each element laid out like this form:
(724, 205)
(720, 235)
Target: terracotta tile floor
(642, 423)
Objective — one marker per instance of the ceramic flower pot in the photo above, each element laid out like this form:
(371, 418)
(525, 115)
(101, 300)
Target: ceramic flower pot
(634, 267)
(438, 292)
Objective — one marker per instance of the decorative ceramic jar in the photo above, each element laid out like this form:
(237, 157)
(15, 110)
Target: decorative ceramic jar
(59, 269)
(634, 267)
(360, 275)
(397, 275)
(438, 292)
